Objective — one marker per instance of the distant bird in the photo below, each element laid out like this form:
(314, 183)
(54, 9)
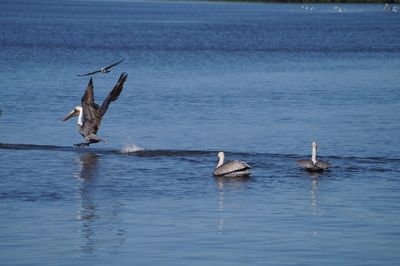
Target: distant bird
(90, 114)
(231, 168)
(102, 70)
(313, 165)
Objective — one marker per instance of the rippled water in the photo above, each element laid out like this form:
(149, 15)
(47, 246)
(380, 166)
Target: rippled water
(257, 81)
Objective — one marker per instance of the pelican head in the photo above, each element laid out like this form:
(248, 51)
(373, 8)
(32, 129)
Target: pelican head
(75, 112)
(314, 145)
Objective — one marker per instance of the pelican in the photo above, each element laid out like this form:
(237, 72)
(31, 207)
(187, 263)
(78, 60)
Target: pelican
(231, 168)
(90, 114)
(313, 165)
(102, 70)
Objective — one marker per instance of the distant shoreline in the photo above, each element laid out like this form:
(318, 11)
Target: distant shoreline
(307, 1)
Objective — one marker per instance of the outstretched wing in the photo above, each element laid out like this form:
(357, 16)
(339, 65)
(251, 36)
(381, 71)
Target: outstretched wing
(91, 118)
(110, 66)
(88, 74)
(113, 95)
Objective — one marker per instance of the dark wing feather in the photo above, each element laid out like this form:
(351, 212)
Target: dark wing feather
(88, 74)
(110, 66)
(113, 95)
(91, 117)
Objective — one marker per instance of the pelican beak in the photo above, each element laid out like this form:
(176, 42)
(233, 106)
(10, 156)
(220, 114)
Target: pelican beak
(73, 113)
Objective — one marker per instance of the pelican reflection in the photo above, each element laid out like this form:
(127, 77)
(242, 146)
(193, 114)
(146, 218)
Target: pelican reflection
(94, 210)
(314, 202)
(314, 199)
(87, 164)
(222, 185)
(87, 213)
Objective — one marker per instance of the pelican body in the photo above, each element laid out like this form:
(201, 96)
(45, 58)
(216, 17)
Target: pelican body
(90, 114)
(313, 165)
(231, 168)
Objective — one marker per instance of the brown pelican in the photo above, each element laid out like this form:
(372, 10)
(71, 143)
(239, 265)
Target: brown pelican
(101, 70)
(231, 168)
(90, 113)
(313, 165)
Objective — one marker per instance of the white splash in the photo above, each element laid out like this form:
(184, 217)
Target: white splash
(131, 146)
(128, 148)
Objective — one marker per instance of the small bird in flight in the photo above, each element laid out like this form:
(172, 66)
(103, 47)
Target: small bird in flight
(102, 70)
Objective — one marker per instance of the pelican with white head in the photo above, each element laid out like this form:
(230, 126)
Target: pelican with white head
(231, 168)
(313, 165)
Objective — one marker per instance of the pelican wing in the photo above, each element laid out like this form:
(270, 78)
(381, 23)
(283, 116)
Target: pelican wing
(230, 167)
(113, 95)
(110, 66)
(310, 166)
(305, 164)
(323, 165)
(91, 117)
(88, 74)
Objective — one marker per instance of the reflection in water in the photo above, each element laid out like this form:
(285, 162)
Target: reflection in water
(222, 184)
(88, 214)
(314, 202)
(87, 165)
(314, 205)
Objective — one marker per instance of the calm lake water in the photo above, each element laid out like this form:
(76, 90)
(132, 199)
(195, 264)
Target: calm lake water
(259, 81)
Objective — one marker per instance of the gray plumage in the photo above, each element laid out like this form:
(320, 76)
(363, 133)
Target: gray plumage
(231, 168)
(310, 166)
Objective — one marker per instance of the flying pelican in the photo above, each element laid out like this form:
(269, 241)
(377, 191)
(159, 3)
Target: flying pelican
(90, 113)
(101, 70)
(313, 165)
(231, 168)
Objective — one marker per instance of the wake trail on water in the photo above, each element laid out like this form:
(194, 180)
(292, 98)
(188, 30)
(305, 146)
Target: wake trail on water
(133, 149)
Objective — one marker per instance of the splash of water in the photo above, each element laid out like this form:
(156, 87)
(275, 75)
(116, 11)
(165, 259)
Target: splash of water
(128, 148)
(131, 146)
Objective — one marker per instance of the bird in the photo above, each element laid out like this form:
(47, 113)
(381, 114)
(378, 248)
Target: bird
(101, 70)
(90, 114)
(231, 168)
(313, 165)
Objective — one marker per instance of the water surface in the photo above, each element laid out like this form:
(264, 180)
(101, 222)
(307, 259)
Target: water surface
(257, 81)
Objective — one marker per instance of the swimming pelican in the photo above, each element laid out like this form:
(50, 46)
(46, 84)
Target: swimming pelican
(90, 113)
(102, 70)
(231, 168)
(313, 165)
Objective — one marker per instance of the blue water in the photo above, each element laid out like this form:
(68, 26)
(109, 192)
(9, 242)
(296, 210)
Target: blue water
(259, 81)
